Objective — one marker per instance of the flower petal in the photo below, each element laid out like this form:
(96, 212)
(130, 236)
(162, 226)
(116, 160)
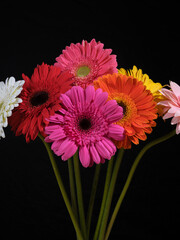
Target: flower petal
(116, 132)
(109, 145)
(175, 88)
(72, 150)
(178, 128)
(103, 151)
(84, 156)
(89, 94)
(64, 147)
(66, 101)
(100, 98)
(95, 155)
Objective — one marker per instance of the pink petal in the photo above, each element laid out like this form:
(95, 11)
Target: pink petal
(169, 94)
(164, 103)
(64, 147)
(116, 132)
(177, 113)
(66, 101)
(175, 120)
(175, 88)
(51, 128)
(56, 135)
(71, 151)
(109, 107)
(114, 117)
(95, 155)
(100, 98)
(178, 128)
(56, 145)
(89, 94)
(56, 118)
(84, 156)
(168, 115)
(109, 145)
(47, 139)
(102, 150)
(77, 95)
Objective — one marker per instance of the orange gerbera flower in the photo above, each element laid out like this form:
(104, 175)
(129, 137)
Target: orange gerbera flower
(139, 107)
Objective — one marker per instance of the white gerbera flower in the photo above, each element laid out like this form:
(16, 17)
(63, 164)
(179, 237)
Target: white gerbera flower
(8, 100)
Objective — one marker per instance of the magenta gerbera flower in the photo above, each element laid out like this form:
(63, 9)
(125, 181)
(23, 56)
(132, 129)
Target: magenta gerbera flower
(87, 61)
(85, 122)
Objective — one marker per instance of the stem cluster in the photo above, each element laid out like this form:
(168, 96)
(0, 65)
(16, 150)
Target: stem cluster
(75, 207)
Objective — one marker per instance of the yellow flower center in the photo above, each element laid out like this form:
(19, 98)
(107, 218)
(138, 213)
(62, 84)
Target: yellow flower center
(83, 71)
(128, 105)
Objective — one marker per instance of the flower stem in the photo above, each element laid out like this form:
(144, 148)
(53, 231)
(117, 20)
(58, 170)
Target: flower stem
(106, 188)
(79, 194)
(130, 176)
(110, 193)
(92, 197)
(72, 187)
(62, 189)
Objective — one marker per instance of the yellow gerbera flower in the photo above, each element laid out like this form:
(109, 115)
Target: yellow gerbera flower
(150, 85)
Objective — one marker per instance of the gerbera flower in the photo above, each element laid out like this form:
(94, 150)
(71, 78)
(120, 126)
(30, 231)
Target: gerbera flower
(86, 122)
(8, 100)
(87, 61)
(139, 107)
(171, 106)
(40, 97)
(150, 85)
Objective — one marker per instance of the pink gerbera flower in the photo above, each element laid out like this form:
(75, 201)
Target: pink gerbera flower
(87, 61)
(85, 121)
(171, 106)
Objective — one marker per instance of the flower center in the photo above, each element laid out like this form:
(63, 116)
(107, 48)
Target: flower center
(39, 98)
(83, 71)
(128, 105)
(85, 124)
(123, 105)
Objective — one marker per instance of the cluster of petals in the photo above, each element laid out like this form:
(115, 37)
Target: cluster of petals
(9, 90)
(171, 104)
(84, 103)
(40, 96)
(85, 123)
(87, 61)
(139, 107)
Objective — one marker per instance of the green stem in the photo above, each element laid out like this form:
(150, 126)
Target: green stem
(72, 187)
(62, 189)
(92, 197)
(110, 193)
(106, 188)
(79, 194)
(130, 176)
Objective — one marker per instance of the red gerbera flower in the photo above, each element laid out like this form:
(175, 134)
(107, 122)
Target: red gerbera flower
(40, 96)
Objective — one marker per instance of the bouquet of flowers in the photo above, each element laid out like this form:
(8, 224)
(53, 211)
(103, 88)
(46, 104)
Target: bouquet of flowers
(87, 111)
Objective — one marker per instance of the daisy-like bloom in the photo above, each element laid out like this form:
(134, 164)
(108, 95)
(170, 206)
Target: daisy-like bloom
(171, 106)
(40, 97)
(139, 107)
(87, 61)
(8, 100)
(85, 122)
(150, 85)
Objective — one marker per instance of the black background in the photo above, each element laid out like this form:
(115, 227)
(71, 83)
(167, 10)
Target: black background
(144, 34)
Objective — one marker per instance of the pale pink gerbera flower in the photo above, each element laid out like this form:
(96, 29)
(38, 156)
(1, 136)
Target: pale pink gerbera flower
(85, 122)
(87, 61)
(171, 106)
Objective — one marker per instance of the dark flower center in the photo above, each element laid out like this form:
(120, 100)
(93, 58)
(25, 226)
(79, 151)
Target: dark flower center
(121, 103)
(84, 124)
(39, 98)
